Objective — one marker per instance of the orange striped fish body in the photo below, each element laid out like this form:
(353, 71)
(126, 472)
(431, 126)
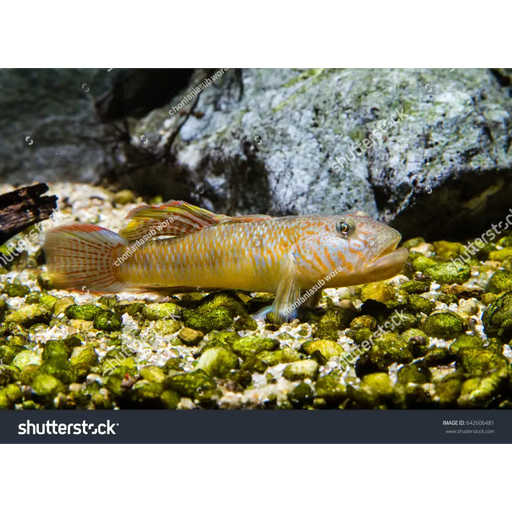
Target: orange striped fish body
(202, 250)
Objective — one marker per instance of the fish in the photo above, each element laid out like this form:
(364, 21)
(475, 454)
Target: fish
(177, 247)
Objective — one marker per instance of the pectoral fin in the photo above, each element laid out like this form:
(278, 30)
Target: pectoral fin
(287, 293)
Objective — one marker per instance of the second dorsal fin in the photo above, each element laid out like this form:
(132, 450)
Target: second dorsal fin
(175, 218)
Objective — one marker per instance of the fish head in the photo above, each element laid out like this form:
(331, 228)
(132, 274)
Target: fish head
(354, 249)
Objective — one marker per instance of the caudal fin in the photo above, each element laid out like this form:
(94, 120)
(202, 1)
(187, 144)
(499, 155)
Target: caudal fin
(82, 256)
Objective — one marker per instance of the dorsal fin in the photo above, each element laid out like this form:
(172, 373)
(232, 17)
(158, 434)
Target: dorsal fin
(175, 218)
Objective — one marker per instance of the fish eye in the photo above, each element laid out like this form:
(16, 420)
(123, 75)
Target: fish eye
(343, 228)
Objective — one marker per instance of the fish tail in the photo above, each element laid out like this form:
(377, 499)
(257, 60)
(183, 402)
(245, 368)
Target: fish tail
(83, 256)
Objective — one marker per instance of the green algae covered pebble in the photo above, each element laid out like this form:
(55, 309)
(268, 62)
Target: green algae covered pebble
(438, 356)
(497, 318)
(330, 387)
(421, 263)
(449, 389)
(418, 304)
(190, 337)
(32, 298)
(146, 393)
(335, 319)
(286, 355)
(252, 345)
(387, 349)
(47, 387)
(301, 370)
(465, 341)
(218, 362)
(190, 384)
(417, 373)
(227, 300)
(30, 315)
(445, 324)
(478, 363)
(108, 321)
(163, 311)
(8, 373)
(165, 327)
(198, 322)
(446, 251)
(48, 300)
(25, 358)
(86, 312)
(132, 308)
(16, 290)
(501, 255)
(327, 348)
(170, 399)
(378, 383)
(379, 291)
(416, 286)
(449, 273)
(10, 395)
(62, 304)
(301, 395)
(413, 242)
(245, 323)
(153, 374)
(501, 281)
(220, 318)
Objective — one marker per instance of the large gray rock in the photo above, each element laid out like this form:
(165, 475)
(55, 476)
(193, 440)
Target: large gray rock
(440, 167)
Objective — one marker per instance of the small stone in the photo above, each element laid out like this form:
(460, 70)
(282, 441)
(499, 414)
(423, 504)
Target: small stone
(48, 300)
(218, 362)
(330, 388)
(246, 323)
(47, 387)
(228, 300)
(501, 255)
(86, 312)
(335, 319)
(301, 370)
(421, 263)
(364, 322)
(165, 327)
(62, 304)
(146, 393)
(497, 318)
(124, 197)
(379, 291)
(170, 399)
(416, 373)
(198, 322)
(501, 281)
(153, 374)
(378, 384)
(465, 341)
(32, 298)
(286, 355)
(449, 273)
(132, 308)
(418, 304)
(481, 363)
(438, 356)
(164, 311)
(446, 251)
(108, 321)
(220, 318)
(252, 345)
(25, 358)
(413, 242)
(414, 286)
(301, 395)
(445, 324)
(30, 315)
(190, 384)
(16, 290)
(327, 348)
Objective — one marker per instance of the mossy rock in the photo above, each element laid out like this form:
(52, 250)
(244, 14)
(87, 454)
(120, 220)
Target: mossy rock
(170, 399)
(387, 349)
(375, 391)
(190, 384)
(153, 374)
(134, 309)
(446, 251)
(166, 327)
(501, 255)
(48, 300)
(46, 387)
(449, 389)
(497, 318)
(417, 341)
(164, 311)
(438, 356)
(465, 341)
(252, 345)
(221, 339)
(8, 373)
(415, 286)
(417, 373)
(445, 324)
(364, 322)
(190, 337)
(501, 281)
(284, 356)
(421, 263)
(30, 315)
(331, 388)
(449, 273)
(335, 319)
(379, 291)
(481, 392)
(413, 242)
(146, 393)
(218, 362)
(8, 353)
(9, 396)
(26, 358)
(301, 370)
(418, 304)
(56, 349)
(478, 363)
(86, 312)
(198, 322)
(301, 396)
(228, 300)
(62, 304)
(16, 290)
(245, 323)
(220, 318)
(327, 348)
(28, 373)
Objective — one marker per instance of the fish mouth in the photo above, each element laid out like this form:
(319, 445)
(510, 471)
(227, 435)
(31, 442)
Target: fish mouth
(390, 261)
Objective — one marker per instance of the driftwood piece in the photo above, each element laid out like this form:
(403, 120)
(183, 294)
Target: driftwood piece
(24, 207)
